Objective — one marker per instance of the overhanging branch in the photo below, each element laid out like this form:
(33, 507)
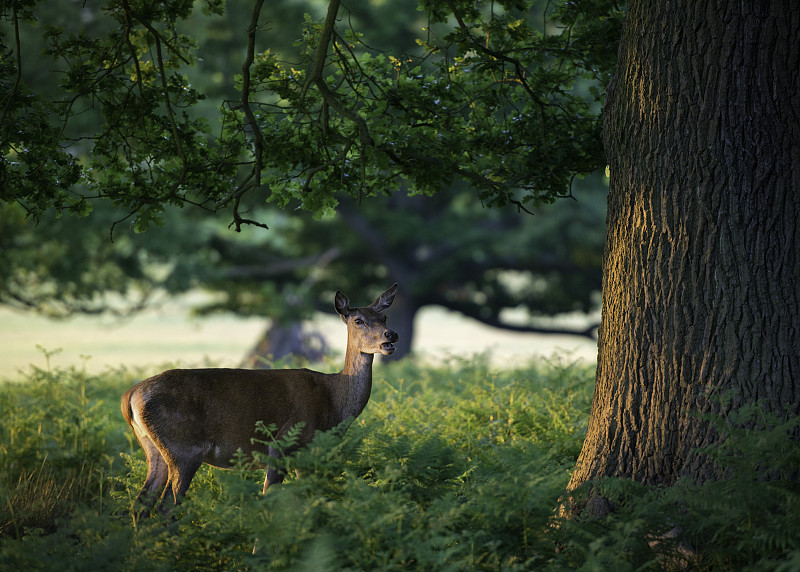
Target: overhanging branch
(281, 267)
(254, 179)
(317, 79)
(494, 321)
(18, 56)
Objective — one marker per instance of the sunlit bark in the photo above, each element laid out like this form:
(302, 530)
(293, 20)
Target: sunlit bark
(701, 293)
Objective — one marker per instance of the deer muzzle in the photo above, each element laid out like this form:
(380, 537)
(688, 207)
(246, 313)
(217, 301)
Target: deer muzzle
(387, 347)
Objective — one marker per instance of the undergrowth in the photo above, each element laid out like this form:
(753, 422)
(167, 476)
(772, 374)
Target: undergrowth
(450, 467)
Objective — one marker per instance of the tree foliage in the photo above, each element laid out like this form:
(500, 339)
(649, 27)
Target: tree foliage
(444, 103)
(147, 150)
(64, 265)
(493, 94)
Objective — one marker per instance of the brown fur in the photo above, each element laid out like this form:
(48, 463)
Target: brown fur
(183, 418)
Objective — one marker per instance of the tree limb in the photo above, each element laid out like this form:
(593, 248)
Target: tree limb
(245, 101)
(170, 113)
(18, 77)
(322, 47)
(471, 311)
(329, 98)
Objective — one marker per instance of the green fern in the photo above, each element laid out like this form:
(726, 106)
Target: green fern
(451, 467)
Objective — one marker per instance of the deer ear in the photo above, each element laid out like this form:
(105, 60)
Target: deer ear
(385, 300)
(342, 304)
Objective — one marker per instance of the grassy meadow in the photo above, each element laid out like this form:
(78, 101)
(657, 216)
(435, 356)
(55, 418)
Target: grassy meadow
(456, 466)
(171, 333)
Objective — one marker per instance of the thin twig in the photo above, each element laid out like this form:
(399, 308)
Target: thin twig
(149, 27)
(340, 157)
(131, 48)
(170, 113)
(518, 69)
(238, 221)
(520, 206)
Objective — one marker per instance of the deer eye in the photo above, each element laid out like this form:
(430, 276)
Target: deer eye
(359, 321)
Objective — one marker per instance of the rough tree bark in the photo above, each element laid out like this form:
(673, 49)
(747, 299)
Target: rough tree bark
(701, 290)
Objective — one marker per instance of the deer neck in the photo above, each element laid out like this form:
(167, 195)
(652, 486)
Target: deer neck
(354, 383)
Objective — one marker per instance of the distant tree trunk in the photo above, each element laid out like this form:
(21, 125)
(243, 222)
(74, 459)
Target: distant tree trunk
(701, 291)
(281, 340)
(401, 319)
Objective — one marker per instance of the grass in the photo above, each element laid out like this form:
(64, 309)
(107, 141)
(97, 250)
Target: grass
(170, 333)
(456, 466)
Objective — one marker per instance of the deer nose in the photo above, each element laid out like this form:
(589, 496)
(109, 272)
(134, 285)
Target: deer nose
(390, 335)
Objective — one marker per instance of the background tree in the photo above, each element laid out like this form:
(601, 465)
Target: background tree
(482, 292)
(700, 296)
(445, 250)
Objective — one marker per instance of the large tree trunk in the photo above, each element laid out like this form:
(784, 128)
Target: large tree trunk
(701, 291)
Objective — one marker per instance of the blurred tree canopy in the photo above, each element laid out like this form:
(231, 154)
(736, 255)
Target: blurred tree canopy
(445, 250)
(125, 110)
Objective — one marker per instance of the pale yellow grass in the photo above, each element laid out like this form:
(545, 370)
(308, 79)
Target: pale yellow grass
(170, 335)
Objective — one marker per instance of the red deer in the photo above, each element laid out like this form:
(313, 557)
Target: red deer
(183, 418)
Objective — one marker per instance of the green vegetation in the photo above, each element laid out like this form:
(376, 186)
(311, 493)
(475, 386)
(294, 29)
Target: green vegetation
(454, 467)
(439, 114)
(135, 105)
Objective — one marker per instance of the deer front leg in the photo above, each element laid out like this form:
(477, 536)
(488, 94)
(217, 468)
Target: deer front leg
(274, 475)
(181, 474)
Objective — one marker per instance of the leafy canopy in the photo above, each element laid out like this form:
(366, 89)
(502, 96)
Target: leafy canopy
(499, 95)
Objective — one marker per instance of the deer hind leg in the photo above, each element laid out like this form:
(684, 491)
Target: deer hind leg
(157, 470)
(167, 471)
